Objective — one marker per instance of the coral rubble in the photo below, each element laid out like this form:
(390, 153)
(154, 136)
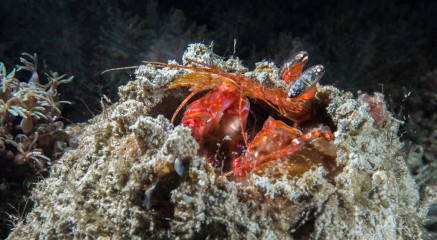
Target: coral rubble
(138, 176)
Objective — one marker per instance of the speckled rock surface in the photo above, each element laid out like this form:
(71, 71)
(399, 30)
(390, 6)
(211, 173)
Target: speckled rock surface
(136, 176)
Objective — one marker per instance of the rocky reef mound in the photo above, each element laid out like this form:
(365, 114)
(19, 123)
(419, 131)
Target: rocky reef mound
(137, 176)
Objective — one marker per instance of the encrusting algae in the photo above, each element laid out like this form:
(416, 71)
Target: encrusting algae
(137, 176)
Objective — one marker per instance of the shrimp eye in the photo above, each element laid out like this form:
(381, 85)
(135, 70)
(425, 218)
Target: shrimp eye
(292, 68)
(308, 78)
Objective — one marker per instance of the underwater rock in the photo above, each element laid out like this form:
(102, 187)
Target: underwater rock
(136, 176)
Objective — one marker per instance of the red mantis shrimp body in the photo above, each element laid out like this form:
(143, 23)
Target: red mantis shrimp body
(216, 113)
(224, 110)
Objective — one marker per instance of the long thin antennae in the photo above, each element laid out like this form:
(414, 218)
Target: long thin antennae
(157, 63)
(188, 99)
(154, 64)
(240, 108)
(120, 68)
(200, 63)
(183, 104)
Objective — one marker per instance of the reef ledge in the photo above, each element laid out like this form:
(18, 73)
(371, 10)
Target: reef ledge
(136, 176)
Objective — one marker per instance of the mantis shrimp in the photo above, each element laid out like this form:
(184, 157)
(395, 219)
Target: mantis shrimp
(223, 111)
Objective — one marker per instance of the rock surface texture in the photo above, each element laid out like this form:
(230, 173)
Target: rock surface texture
(136, 176)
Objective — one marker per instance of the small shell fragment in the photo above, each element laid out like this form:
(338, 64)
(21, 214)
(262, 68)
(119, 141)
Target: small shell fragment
(178, 167)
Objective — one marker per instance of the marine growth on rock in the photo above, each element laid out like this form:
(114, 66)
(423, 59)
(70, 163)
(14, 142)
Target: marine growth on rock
(137, 175)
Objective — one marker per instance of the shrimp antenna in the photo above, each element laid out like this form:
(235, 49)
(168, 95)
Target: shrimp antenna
(183, 104)
(154, 64)
(240, 108)
(200, 88)
(120, 68)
